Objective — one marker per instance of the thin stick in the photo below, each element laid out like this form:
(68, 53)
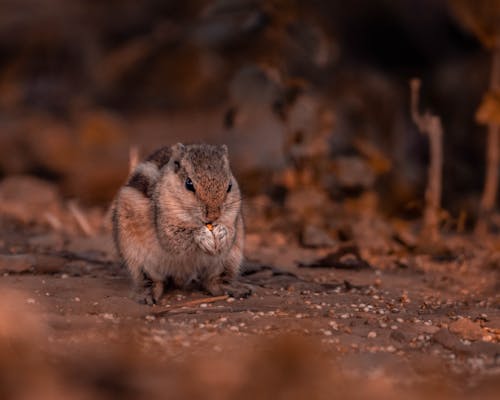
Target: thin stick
(133, 156)
(53, 221)
(490, 190)
(80, 218)
(430, 125)
(192, 303)
(462, 219)
(218, 310)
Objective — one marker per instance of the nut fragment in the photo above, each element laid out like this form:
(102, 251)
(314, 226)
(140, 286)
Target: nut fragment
(210, 227)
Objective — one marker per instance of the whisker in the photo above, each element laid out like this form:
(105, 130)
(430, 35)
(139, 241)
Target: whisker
(235, 201)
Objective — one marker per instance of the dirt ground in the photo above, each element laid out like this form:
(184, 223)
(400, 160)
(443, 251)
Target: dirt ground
(358, 323)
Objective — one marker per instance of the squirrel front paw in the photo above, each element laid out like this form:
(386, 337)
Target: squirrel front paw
(212, 241)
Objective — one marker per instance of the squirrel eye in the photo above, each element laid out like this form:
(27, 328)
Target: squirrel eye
(189, 185)
(229, 187)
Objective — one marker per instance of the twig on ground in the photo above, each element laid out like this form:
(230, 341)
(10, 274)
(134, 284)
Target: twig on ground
(218, 310)
(191, 303)
(54, 222)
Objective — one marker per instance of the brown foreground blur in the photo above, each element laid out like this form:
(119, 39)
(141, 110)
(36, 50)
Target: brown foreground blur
(285, 366)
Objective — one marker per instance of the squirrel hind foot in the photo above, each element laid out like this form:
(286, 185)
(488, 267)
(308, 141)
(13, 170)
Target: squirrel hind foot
(150, 293)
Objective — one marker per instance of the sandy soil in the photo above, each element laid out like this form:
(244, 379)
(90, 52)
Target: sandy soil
(397, 323)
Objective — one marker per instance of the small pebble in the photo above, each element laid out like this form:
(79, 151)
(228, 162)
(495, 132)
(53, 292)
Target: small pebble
(334, 325)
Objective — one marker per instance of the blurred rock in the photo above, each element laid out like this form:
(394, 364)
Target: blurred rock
(16, 262)
(87, 156)
(307, 202)
(466, 329)
(313, 236)
(374, 234)
(50, 144)
(47, 241)
(353, 173)
(404, 234)
(345, 257)
(31, 262)
(29, 200)
(99, 247)
(449, 341)
(102, 164)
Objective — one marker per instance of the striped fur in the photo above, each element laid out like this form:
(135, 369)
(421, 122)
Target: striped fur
(144, 178)
(159, 226)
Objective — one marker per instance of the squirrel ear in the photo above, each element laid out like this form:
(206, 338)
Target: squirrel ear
(177, 153)
(178, 150)
(224, 149)
(177, 166)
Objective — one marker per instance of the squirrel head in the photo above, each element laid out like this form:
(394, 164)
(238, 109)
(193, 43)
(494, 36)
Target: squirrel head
(198, 187)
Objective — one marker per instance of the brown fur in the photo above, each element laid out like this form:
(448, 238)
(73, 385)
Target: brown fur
(160, 226)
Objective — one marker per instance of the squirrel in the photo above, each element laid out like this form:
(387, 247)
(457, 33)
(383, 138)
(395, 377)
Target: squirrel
(177, 222)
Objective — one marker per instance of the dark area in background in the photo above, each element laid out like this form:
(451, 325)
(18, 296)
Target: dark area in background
(80, 82)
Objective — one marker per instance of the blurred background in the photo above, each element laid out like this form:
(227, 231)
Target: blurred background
(305, 93)
(313, 100)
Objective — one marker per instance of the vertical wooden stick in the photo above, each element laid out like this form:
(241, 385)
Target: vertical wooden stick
(431, 126)
(133, 158)
(490, 190)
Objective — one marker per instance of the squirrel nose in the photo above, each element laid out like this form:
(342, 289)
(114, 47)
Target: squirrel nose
(212, 213)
